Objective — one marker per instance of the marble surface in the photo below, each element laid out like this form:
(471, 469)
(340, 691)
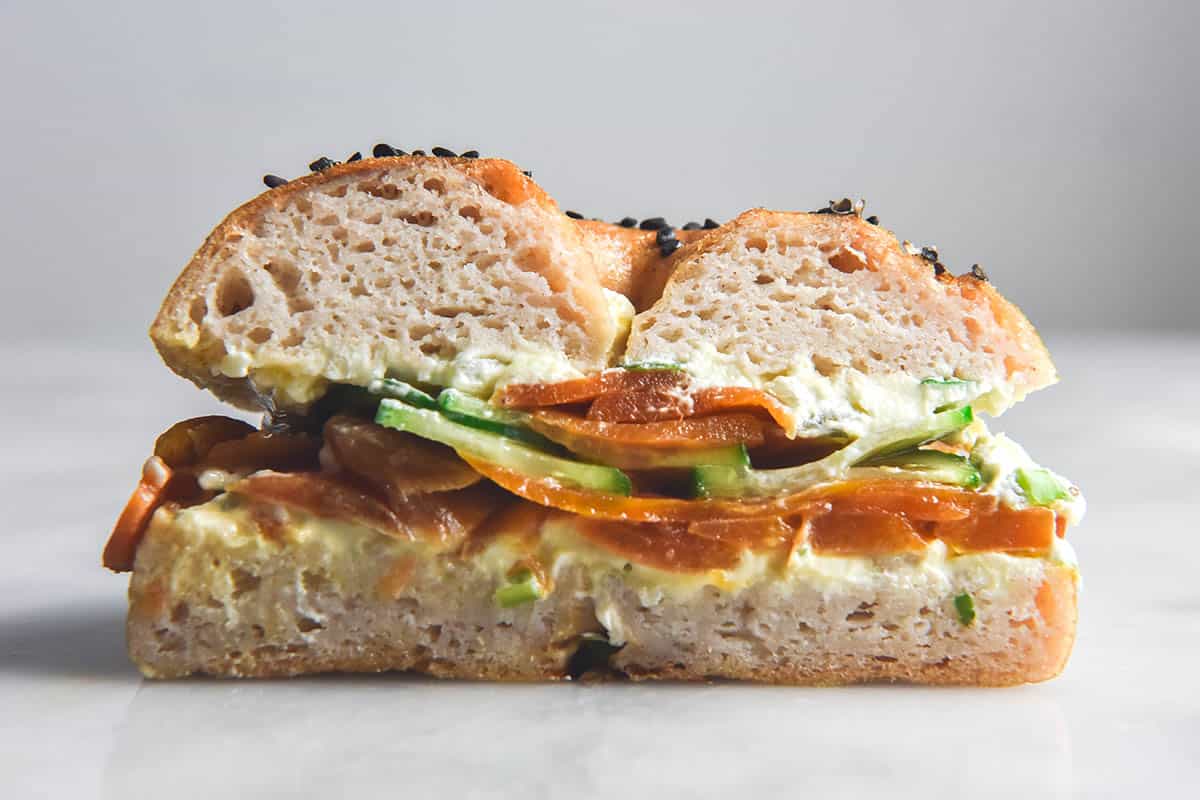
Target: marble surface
(77, 721)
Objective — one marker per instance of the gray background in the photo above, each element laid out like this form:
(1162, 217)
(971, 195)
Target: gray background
(1054, 143)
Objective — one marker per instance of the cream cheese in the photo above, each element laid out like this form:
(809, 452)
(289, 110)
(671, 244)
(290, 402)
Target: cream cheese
(846, 401)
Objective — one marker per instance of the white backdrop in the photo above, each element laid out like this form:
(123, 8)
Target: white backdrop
(1053, 143)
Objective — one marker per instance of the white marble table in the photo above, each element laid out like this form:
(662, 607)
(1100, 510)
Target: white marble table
(77, 721)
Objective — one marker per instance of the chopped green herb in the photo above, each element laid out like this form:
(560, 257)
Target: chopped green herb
(1040, 486)
(652, 366)
(944, 382)
(523, 587)
(964, 604)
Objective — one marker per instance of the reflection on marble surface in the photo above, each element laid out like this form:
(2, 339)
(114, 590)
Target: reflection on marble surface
(1123, 720)
(344, 735)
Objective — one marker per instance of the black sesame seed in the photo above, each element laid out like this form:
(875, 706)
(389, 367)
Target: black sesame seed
(357, 156)
(842, 207)
(874, 220)
(321, 164)
(574, 215)
(929, 253)
(653, 224)
(418, 152)
(471, 154)
(527, 173)
(273, 181)
(383, 150)
(939, 268)
(442, 152)
(710, 223)
(664, 235)
(628, 222)
(668, 246)
(691, 226)
(825, 210)
(977, 273)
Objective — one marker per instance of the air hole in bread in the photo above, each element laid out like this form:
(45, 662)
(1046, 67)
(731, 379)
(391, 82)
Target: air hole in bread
(335, 251)
(285, 275)
(762, 279)
(198, 309)
(425, 219)
(387, 191)
(337, 191)
(974, 329)
(341, 234)
(327, 220)
(374, 219)
(260, 335)
(244, 582)
(359, 290)
(847, 261)
(293, 339)
(824, 366)
(470, 212)
(758, 243)
(435, 185)
(365, 247)
(306, 624)
(180, 613)
(298, 305)
(234, 293)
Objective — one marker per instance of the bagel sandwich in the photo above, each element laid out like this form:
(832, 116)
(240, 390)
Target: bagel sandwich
(500, 441)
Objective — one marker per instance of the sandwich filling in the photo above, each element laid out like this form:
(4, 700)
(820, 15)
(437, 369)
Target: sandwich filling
(641, 471)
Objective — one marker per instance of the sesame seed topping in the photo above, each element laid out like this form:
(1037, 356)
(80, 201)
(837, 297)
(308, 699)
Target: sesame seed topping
(628, 222)
(929, 253)
(977, 273)
(471, 154)
(273, 181)
(668, 246)
(874, 220)
(382, 150)
(653, 224)
(527, 173)
(574, 215)
(691, 226)
(356, 156)
(442, 152)
(321, 164)
(710, 223)
(664, 235)
(842, 207)
(939, 268)
(418, 152)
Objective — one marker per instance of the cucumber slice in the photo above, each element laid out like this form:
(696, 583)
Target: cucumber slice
(926, 465)
(500, 450)
(1041, 486)
(399, 390)
(475, 413)
(724, 481)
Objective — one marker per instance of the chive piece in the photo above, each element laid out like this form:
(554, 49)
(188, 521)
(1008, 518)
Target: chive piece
(964, 604)
(523, 587)
(1041, 487)
(652, 366)
(944, 382)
